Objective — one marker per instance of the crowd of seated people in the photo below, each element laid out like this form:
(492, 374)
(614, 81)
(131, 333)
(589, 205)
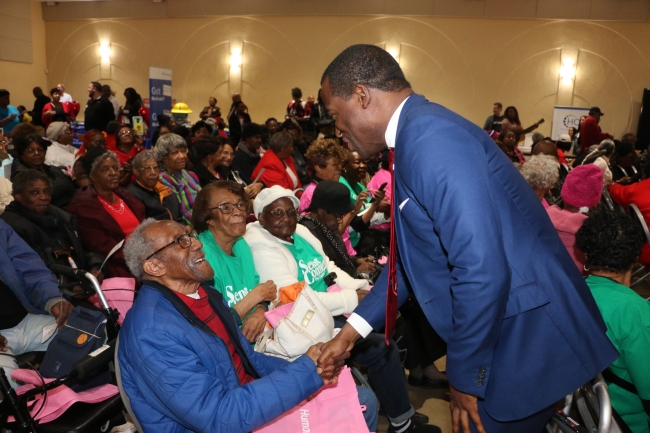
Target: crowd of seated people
(273, 205)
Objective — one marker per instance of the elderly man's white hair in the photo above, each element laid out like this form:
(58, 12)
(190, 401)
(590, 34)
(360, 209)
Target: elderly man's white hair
(138, 247)
(541, 171)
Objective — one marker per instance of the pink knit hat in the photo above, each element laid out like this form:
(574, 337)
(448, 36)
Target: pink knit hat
(583, 186)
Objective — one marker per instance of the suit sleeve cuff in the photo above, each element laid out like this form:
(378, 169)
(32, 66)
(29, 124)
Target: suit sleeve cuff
(360, 325)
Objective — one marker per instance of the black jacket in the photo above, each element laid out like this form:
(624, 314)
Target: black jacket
(51, 232)
(336, 253)
(63, 187)
(235, 127)
(37, 111)
(244, 164)
(169, 209)
(98, 113)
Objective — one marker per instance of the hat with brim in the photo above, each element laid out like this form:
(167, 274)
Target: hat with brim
(333, 197)
(596, 110)
(269, 195)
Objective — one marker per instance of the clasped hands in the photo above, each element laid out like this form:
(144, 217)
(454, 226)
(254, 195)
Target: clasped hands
(330, 357)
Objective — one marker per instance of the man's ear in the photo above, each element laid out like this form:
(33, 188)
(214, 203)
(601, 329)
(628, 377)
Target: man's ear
(154, 267)
(362, 93)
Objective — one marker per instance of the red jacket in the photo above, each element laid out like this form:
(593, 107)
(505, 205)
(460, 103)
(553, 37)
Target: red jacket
(276, 171)
(639, 194)
(590, 133)
(98, 229)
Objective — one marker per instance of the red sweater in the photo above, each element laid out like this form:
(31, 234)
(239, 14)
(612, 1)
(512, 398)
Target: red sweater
(639, 194)
(202, 309)
(591, 134)
(276, 171)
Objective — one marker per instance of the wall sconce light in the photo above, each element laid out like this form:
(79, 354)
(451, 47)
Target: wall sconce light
(567, 71)
(105, 50)
(235, 59)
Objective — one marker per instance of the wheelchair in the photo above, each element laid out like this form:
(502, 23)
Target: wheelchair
(80, 417)
(587, 410)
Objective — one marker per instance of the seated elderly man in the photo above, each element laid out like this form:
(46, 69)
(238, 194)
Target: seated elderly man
(185, 365)
(31, 304)
(287, 253)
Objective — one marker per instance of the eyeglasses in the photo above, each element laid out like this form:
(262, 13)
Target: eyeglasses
(228, 208)
(279, 213)
(184, 240)
(125, 133)
(33, 150)
(150, 168)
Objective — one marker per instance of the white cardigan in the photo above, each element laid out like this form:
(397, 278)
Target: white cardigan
(274, 261)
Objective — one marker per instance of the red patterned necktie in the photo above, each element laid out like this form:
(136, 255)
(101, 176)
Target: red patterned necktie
(391, 293)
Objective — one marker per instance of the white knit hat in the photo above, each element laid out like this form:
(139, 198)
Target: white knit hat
(269, 195)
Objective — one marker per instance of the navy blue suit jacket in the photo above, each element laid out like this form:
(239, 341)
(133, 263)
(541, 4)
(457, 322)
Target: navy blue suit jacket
(480, 254)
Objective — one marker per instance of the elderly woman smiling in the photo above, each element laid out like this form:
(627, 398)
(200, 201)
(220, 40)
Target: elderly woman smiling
(219, 217)
(106, 213)
(171, 152)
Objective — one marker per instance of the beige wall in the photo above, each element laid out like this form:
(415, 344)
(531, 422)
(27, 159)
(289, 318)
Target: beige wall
(22, 50)
(465, 64)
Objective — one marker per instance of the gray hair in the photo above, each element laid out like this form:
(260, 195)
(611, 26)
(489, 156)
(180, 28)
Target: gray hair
(138, 247)
(605, 148)
(541, 171)
(103, 157)
(139, 160)
(279, 141)
(167, 144)
(537, 137)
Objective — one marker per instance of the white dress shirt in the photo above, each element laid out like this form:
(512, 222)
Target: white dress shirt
(358, 322)
(65, 97)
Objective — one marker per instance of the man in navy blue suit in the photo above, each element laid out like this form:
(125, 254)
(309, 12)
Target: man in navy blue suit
(476, 249)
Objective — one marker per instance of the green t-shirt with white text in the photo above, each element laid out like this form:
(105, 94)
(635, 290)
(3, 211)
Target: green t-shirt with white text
(311, 265)
(234, 276)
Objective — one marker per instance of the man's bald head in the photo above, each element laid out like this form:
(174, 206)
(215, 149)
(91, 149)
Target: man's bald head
(545, 147)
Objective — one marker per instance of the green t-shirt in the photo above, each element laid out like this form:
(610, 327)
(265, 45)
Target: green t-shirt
(627, 316)
(355, 190)
(311, 265)
(234, 276)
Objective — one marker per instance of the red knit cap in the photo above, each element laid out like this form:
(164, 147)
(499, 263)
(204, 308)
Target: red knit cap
(583, 186)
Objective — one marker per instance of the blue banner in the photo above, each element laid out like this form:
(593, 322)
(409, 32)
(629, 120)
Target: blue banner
(160, 95)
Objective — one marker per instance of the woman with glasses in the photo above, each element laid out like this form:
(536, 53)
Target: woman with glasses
(31, 151)
(127, 146)
(171, 153)
(287, 253)
(219, 215)
(159, 201)
(324, 162)
(106, 213)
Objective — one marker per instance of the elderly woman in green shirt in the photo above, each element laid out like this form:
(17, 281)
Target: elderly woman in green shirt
(611, 243)
(219, 216)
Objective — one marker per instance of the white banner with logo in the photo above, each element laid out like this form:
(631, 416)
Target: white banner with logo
(566, 117)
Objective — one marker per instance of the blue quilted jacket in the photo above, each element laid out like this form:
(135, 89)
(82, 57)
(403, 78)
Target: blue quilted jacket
(180, 377)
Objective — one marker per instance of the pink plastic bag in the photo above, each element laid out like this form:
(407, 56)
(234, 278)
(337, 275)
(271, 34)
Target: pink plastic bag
(334, 409)
(119, 293)
(60, 398)
(275, 315)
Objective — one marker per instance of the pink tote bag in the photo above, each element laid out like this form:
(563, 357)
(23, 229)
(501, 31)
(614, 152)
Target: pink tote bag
(334, 409)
